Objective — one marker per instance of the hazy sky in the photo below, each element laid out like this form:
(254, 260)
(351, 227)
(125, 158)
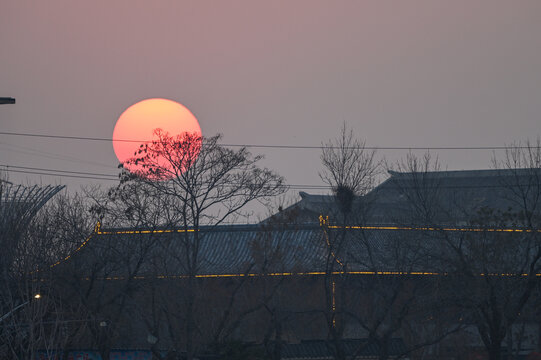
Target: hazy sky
(400, 73)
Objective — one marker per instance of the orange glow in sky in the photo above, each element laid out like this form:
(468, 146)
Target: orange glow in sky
(140, 120)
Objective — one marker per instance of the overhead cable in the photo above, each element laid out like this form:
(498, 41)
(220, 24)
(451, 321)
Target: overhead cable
(271, 146)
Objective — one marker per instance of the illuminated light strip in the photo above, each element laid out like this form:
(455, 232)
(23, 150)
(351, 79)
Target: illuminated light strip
(162, 231)
(313, 273)
(96, 231)
(332, 252)
(316, 273)
(323, 222)
(333, 304)
(432, 229)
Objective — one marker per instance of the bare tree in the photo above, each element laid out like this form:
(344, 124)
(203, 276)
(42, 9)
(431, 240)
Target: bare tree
(419, 309)
(348, 165)
(491, 272)
(203, 184)
(350, 170)
(508, 262)
(102, 279)
(388, 299)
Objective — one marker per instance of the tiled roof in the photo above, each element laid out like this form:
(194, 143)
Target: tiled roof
(228, 249)
(457, 194)
(253, 250)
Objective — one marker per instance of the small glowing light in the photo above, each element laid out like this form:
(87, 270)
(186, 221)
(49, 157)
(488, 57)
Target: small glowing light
(37, 296)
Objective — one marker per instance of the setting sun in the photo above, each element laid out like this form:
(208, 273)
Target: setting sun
(139, 121)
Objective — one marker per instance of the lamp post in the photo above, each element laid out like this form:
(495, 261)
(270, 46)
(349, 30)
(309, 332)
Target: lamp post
(7, 100)
(8, 314)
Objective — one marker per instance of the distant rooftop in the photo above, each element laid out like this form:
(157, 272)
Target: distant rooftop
(458, 192)
(469, 173)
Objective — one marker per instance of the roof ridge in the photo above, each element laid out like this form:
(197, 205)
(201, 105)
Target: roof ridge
(468, 173)
(214, 228)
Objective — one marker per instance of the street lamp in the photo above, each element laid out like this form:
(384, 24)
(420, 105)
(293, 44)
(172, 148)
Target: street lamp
(7, 100)
(8, 314)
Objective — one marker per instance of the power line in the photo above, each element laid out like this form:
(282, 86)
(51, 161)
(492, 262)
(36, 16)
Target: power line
(57, 175)
(47, 154)
(267, 146)
(67, 137)
(100, 176)
(292, 186)
(60, 171)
